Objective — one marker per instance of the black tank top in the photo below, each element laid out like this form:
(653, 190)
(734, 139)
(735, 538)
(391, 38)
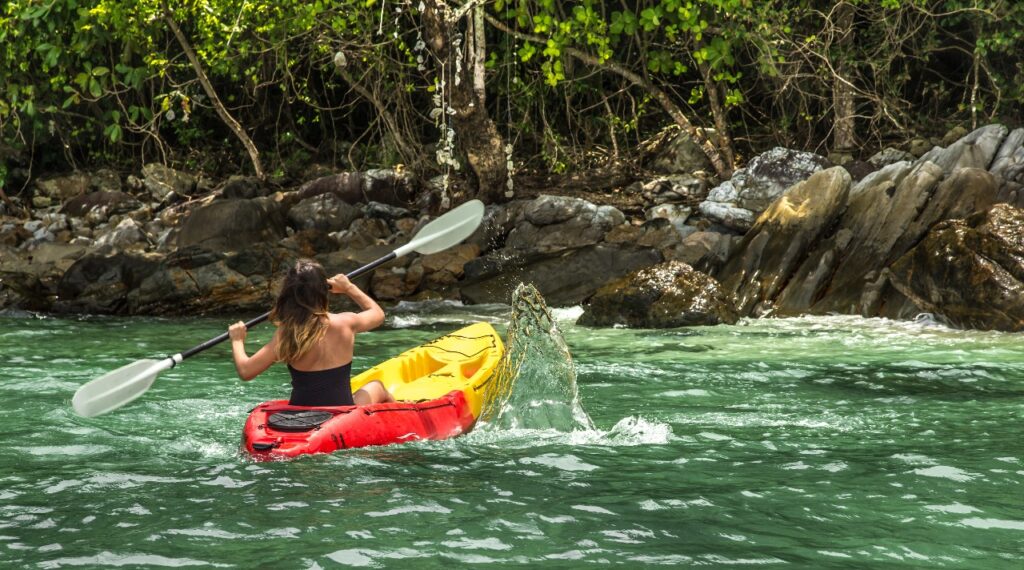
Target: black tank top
(331, 387)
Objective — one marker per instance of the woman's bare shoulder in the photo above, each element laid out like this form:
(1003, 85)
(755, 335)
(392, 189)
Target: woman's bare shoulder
(345, 320)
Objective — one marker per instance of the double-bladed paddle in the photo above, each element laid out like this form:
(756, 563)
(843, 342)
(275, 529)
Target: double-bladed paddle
(117, 388)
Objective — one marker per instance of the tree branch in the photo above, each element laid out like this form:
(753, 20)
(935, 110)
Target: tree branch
(697, 134)
(225, 116)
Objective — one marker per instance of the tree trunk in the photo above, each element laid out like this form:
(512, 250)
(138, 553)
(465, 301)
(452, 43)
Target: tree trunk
(222, 111)
(476, 135)
(844, 127)
(714, 93)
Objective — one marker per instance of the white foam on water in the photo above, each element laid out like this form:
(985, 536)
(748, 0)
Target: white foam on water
(693, 392)
(955, 508)
(914, 459)
(628, 432)
(993, 523)
(477, 544)
(946, 472)
(427, 508)
(65, 450)
(567, 462)
(592, 509)
(134, 559)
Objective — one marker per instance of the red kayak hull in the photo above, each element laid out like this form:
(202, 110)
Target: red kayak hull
(356, 426)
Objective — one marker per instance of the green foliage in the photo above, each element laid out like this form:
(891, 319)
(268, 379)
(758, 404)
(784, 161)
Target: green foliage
(106, 79)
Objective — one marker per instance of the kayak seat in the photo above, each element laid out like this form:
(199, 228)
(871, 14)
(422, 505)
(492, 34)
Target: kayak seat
(298, 420)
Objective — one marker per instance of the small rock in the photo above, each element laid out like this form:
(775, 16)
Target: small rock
(109, 202)
(406, 226)
(163, 182)
(674, 213)
(61, 188)
(730, 216)
(547, 210)
(126, 235)
(889, 155)
(363, 233)
(678, 189)
(452, 260)
(390, 284)
(385, 211)
(956, 133)
(105, 180)
(679, 155)
(920, 146)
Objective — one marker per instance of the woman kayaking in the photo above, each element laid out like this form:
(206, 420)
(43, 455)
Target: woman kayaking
(317, 345)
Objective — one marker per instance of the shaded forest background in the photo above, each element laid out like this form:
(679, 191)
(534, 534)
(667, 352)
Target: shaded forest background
(480, 91)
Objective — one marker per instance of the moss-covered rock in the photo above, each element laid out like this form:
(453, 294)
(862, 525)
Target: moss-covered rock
(970, 271)
(671, 294)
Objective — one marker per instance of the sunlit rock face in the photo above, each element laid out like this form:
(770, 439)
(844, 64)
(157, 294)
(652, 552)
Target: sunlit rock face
(969, 271)
(825, 245)
(669, 295)
(777, 246)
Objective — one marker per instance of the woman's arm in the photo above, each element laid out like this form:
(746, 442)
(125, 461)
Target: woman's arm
(371, 317)
(249, 367)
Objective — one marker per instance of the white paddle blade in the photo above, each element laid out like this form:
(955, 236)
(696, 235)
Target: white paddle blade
(117, 388)
(447, 230)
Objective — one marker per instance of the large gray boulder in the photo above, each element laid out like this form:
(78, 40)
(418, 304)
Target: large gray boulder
(326, 212)
(232, 225)
(206, 289)
(975, 150)
(881, 224)
(565, 278)
(1008, 165)
(100, 284)
(769, 174)
(668, 295)
(553, 223)
(737, 202)
(498, 221)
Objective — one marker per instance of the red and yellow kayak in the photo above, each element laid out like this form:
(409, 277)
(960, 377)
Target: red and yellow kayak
(440, 388)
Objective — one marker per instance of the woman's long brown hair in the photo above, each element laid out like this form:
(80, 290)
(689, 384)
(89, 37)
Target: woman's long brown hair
(300, 311)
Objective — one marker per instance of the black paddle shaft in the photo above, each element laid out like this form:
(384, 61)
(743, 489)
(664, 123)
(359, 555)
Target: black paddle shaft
(224, 336)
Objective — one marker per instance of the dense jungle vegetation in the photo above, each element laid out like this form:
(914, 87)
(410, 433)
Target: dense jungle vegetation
(268, 87)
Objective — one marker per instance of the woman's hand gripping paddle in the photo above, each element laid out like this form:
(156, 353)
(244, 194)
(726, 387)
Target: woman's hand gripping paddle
(117, 388)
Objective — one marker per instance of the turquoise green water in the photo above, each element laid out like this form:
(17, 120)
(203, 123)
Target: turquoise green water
(804, 443)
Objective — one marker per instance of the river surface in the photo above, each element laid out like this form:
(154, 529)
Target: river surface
(805, 443)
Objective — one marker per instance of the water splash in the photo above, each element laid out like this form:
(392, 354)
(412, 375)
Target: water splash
(536, 380)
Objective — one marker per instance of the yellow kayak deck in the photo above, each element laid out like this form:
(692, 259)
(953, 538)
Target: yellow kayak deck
(463, 360)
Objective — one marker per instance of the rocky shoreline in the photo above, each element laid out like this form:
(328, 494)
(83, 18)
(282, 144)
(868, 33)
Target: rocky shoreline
(938, 231)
